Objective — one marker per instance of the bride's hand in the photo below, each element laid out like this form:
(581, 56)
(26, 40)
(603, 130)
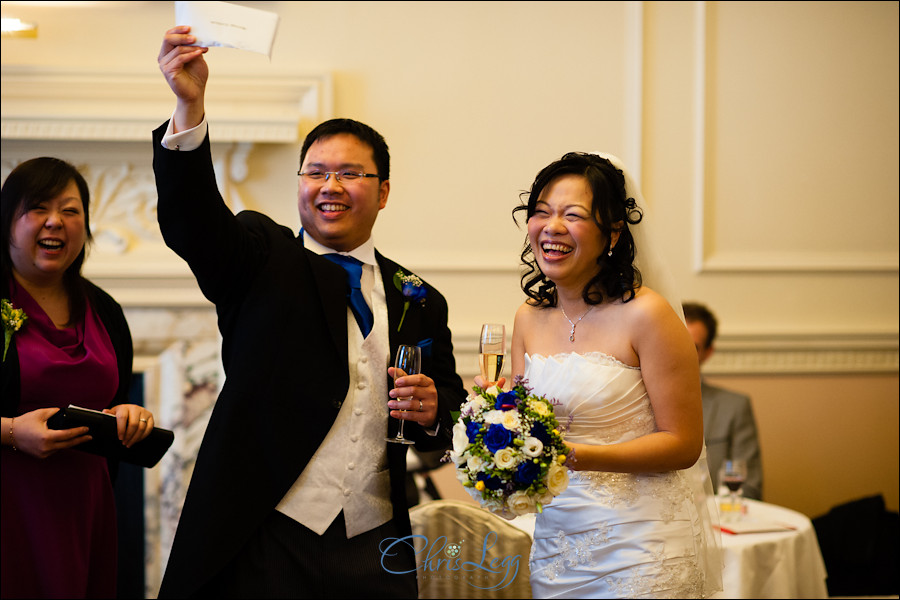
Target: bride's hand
(479, 381)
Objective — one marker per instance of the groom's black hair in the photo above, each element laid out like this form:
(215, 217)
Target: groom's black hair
(363, 132)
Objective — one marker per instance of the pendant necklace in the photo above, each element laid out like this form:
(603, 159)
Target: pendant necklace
(575, 324)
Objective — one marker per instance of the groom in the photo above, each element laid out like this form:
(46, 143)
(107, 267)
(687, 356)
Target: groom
(294, 487)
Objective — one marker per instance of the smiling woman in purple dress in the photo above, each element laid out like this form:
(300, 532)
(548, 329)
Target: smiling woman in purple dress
(66, 341)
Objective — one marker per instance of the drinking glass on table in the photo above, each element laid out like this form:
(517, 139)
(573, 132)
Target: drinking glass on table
(732, 476)
(491, 350)
(408, 362)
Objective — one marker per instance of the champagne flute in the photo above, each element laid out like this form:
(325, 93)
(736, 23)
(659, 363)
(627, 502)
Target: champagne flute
(408, 362)
(734, 473)
(491, 350)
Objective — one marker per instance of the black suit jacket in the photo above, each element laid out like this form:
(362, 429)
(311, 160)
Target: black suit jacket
(282, 312)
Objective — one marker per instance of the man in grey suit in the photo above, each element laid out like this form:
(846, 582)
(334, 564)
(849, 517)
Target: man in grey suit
(729, 427)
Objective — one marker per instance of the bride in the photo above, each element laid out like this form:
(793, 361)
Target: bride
(634, 521)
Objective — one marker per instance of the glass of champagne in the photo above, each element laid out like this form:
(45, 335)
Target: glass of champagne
(491, 350)
(408, 362)
(734, 473)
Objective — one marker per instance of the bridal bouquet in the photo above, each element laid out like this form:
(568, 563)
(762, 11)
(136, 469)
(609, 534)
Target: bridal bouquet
(509, 451)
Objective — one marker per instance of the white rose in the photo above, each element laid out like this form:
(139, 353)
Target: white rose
(539, 407)
(532, 447)
(520, 503)
(460, 438)
(474, 463)
(493, 391)
(511, 420)
(472, 406)
(545, 498)
(557, 479)
(478, 404)
(505, 458)
(493, 416)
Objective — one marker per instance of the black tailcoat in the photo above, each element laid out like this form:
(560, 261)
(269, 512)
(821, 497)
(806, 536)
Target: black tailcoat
(282, 313)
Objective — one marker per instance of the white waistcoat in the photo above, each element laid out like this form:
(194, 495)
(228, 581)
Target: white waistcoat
(349, 471)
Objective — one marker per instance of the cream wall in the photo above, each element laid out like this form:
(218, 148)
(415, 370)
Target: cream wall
(765, 134)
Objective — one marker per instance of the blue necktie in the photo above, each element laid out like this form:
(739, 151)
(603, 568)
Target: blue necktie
(358, 305)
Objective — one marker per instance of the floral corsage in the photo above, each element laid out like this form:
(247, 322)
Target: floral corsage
(508, 450)
(13, 319)
(412, 288)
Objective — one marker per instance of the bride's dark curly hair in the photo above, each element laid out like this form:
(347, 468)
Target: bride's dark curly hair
(617, 276)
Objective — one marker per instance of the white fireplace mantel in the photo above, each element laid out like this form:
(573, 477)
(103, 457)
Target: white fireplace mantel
(101, 122)
(50, 104)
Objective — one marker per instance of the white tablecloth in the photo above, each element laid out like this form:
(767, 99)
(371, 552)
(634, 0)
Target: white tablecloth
(784, 564)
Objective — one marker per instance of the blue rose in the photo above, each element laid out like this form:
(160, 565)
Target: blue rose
(472, 430)
(506, 401)
(497, 437)
(490, 482)
(539, 430)
(526, 473)
(414, 290)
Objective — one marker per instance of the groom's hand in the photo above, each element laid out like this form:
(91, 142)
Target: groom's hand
(418, 399)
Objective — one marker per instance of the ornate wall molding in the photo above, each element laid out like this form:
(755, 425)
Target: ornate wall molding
(104, 106)
(763, 355)
(772, 354)
(718, 261)
(102, 123)
(128, 257)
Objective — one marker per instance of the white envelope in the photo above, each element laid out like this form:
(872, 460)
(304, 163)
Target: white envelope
(228, 25)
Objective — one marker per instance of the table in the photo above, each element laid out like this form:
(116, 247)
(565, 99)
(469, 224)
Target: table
(782, 564)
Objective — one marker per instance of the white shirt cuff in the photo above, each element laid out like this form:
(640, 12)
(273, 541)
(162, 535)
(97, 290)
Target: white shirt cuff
(432, 432)
(187, 140)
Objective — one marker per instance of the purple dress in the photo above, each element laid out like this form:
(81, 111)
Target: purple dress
(58, 513)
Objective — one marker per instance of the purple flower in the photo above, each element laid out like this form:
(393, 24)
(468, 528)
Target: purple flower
(497, 437)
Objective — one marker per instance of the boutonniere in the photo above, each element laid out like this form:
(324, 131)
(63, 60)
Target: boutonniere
(412, 288)
(13, 319)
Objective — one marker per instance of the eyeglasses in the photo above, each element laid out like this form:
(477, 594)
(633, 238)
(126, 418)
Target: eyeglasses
(341, 176)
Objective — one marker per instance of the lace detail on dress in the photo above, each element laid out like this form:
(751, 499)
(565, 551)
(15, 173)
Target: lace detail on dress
(658, 577)
(641, 424)
(613, 490)
(576, 551)
(673, 578)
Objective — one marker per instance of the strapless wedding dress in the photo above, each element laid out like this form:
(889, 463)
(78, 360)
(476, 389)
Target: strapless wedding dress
(618, 535)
